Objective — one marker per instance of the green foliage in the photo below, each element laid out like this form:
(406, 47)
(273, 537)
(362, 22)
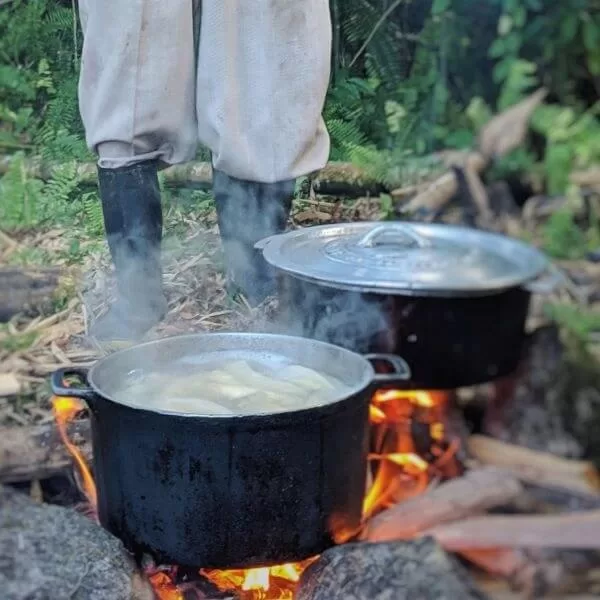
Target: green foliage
(560, 38)
(410, 77)
(575, 319)
(38, 78)
(573, 141)
(562, 236)
(26, 202)
(16, 342)
(92, 209)
(20, 196)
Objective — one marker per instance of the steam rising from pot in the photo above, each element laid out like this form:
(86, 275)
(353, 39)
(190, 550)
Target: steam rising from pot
(344, 319)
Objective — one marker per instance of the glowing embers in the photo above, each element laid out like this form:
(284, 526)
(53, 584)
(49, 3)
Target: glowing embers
(409, 446)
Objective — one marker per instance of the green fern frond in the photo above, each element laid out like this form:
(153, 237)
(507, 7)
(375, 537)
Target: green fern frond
(20, 196)
(344, 137)
(387, 50)
(60, 144)
(92, 209)
(65, 180)
(60, 18)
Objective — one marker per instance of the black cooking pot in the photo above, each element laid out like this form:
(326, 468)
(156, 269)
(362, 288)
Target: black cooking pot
(450, 300)
(229, 491)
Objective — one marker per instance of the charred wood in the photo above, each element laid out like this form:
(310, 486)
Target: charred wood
(553, 403)
(26, 289)
(34, 453)
(537, 573)
(526, 410)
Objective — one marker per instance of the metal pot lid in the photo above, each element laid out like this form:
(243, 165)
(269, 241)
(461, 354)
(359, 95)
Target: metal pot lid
(405, 258)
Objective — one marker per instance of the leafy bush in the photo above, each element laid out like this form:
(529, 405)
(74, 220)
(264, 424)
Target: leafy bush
(410, 77)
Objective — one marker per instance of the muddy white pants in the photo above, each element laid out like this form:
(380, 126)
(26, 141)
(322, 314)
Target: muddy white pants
(253, 93)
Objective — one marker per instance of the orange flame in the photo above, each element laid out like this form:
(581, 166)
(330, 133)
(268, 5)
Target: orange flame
(401, 472)
(65, 410)
(266, 583)
(164, 588)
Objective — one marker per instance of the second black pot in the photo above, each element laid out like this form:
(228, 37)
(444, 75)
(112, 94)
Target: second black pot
(449, 342)
(452, 301)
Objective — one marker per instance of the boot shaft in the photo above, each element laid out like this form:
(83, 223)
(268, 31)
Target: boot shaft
(132, 211)
(248, 212)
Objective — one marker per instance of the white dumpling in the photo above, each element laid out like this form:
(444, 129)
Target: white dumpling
(242, 371)
(307, 378)
(196, 406)
(234, 387)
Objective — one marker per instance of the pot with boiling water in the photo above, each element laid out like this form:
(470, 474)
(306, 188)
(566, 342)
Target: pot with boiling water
(230, 450)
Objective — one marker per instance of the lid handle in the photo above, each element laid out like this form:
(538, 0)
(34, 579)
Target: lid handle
(401, 235)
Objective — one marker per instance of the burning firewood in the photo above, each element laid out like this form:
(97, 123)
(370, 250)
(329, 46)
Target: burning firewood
(402, 571)
(477, 491)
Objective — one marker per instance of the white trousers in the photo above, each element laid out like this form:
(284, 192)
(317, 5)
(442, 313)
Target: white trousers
(253, 93)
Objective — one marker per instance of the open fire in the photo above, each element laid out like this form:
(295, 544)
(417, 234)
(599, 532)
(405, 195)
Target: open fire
(410, 448)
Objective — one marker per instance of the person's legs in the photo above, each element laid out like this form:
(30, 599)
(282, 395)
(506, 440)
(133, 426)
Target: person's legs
(137, 102)
(263, 72)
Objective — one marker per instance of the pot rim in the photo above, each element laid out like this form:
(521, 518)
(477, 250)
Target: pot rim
(367, 380)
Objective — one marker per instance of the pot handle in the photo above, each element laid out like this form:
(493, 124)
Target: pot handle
(61, 388)
(262, 244)
(401, 370)
(547, 282)
(401, 232)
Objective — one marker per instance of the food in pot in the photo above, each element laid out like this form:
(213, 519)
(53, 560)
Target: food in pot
(234, 387)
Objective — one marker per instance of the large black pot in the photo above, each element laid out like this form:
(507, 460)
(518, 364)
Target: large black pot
(450, 300)
(223, 492)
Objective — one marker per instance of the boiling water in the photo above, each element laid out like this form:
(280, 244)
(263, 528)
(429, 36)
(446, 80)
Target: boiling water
(232, 386)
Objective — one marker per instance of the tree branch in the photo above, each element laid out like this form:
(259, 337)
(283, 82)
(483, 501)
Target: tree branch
(379, 23)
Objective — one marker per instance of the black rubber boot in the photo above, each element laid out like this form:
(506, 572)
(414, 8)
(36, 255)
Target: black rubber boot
(133, 222)
(248, 212)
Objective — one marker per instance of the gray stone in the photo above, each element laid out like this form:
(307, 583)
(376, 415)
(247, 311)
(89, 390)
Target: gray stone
(414, 570)
(54, 553)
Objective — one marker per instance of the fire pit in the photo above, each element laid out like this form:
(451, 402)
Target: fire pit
(424, 478)
(410, 447)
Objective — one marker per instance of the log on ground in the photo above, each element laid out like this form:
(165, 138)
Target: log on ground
(332, 179)
(402, 571)
(26, 289)
(30, 453)
(53, 552)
